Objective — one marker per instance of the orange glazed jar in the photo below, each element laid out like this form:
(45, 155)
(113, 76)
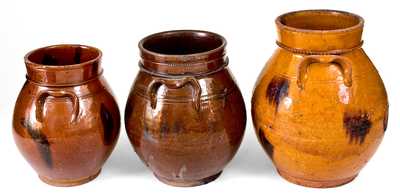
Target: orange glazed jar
(319, 107)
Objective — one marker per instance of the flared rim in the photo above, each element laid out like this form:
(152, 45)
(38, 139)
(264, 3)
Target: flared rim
(358, 21)
(36, 65)
(177, 33)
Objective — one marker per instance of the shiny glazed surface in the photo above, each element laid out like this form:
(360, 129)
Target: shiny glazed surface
(66, 121)
(185, 116)
(319, 107)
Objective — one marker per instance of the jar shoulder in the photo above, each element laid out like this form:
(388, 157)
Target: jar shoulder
(91, 88)
(323, 91)
(286, 64)
(218, 84)
(84, 106)
(282, 70)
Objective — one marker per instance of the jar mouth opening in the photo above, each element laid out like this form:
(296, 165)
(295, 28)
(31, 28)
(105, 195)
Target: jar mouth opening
(182, 43)
(320, 21)
(63, 56)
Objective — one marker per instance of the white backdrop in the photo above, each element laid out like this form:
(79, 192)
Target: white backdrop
(116, 26)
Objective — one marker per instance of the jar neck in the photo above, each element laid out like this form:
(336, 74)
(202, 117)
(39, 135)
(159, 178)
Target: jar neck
(63, 65)
(183, 52)
(319, 31)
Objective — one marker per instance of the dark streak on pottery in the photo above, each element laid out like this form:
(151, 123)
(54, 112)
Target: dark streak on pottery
(265, 143)
(177, 127)
(385, 120)
(276, 90)
(163, 129)
(77, 56)
(108, 124)
(357, 126)
(53, 136)
(43, 144)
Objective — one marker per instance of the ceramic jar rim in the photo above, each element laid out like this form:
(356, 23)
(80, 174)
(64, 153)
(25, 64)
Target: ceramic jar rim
(360, 21)
(64, 73)
(35, 65)
(143, 49)
(319, 32)
(206, 59)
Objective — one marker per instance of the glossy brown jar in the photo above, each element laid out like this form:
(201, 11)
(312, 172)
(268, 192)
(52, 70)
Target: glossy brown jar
(66, 121)
(185, 116)
(319, 107)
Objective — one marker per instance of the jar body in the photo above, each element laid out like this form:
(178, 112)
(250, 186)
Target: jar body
(186, 138)
(66, 121)
(319, 131)
(61, 150)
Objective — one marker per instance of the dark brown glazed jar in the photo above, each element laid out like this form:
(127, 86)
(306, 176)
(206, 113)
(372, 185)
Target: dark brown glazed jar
(66, 121)
(185, 115)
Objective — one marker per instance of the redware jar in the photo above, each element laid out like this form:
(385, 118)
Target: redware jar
(66, 121)
(319, 107)
(185, 115)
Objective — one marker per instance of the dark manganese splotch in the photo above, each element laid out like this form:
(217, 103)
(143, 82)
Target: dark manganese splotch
(265, 143)
(357, 126)
(385, 120)
(108, 124)
(43, 145)
(177, 126)
(164, 129)
(276, 90)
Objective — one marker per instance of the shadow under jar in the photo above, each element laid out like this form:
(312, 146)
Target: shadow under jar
(319, 107)
(66, 121)
(185, 115)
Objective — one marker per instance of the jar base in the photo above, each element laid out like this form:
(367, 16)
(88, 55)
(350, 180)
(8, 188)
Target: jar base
(186, 183)
(68, 183)
(315, 183)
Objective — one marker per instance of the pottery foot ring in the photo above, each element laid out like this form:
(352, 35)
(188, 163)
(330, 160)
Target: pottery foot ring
(68, 183)
(188, 183)
(315, 183)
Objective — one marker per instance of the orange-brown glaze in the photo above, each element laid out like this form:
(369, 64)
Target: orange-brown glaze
(319, 106)
(66, 121)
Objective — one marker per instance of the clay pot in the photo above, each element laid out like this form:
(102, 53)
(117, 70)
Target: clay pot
(185, 116)
(66, 121)
(319, 107)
